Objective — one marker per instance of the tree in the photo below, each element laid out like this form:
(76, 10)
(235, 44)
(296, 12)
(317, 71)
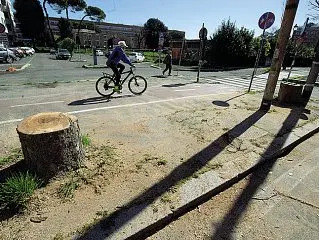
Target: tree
(65, 28)
(230, 46)
(151, 30)
(314, 8)
(30, 15)
(65, 5)
(140, 36)
(94, 13)
(68, 44)
(48, 22)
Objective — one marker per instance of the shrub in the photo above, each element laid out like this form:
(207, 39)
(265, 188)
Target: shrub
(16, 191)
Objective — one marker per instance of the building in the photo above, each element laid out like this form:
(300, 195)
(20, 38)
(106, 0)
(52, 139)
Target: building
(7, 19)
(97, 34)
(311, 35)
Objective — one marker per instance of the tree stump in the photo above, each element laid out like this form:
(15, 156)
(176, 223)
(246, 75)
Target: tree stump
(51, 143)
(290, 92)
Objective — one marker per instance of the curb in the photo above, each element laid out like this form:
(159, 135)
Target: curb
(211, 183)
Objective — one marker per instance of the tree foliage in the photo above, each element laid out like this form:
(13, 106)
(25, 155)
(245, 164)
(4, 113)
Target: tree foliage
(68, 44)
(314, 9)
(231, 46)
(151, 31)
(65, 5)
(30, 15)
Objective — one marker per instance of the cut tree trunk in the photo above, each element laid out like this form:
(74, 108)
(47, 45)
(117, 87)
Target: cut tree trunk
(290, 93)
(51, 143)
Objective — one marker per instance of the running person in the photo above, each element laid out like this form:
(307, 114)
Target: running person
(113, 62)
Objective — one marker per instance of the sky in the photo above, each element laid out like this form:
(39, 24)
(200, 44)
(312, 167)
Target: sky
(189, 15)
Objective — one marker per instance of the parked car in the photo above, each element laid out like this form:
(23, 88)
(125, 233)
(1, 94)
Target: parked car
(63, 54)
(29, 51)
(136, 57)
(7, 55)
(17, 52)
(52, 51)
(99, 52)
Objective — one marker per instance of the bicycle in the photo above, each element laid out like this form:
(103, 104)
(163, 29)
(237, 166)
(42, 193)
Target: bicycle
(105, 84)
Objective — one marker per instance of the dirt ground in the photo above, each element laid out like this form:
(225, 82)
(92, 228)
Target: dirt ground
(132, 149)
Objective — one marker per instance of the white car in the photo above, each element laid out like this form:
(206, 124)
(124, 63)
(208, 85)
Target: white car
(136, 57)
(99, 53)
(29, 51)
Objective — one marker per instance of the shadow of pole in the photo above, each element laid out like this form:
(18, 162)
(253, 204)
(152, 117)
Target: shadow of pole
(113, 222)
(229, 222)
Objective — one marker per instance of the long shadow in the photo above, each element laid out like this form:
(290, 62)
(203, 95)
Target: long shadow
(120, 217)
(225, 103)
(97, 100)
(226, 227)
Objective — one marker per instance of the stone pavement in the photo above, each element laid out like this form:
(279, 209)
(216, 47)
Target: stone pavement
(260, 138)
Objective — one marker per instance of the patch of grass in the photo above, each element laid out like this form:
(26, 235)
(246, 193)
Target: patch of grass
(225, 129)
(266, 70)
(102, 214)
(16, 191)
(161, 162)
(166, 198)
(208, 167)
(86, 140)
(58, 236)
(66, 190)
(14, 156)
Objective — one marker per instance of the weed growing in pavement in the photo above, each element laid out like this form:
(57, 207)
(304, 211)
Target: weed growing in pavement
(102, 214)
(14, 156)
(59, 236)
(86, 140)
(226, 129)
(66, 190)
(156, 161)
(161, 162)
(208, 167)
(16, 191)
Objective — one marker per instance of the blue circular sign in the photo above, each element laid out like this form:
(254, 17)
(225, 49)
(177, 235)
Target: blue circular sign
(266, 20)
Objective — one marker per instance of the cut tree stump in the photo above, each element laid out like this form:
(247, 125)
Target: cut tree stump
(290, 92)
(51, 143)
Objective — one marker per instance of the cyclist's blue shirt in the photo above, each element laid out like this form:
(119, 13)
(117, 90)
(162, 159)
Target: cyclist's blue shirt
(117, 55)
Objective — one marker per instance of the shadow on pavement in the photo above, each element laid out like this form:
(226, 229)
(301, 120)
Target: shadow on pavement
(174, 85)
(225, 103)
(97, 100)
(113, 222)
(227, 226)
(159, 76)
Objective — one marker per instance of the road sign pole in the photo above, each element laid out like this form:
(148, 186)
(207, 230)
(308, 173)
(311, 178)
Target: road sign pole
(257, 59)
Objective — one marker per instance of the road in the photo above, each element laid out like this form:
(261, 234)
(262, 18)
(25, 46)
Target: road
(57, 85)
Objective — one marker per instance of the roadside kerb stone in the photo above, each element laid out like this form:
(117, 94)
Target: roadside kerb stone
(195, 191)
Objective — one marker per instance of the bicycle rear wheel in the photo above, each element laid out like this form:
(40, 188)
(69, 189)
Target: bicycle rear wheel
(137, 85)
(105, 86)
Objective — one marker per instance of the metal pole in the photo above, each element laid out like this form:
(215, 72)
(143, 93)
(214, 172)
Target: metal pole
(257, 59)
(293, 62)
(180, 57)
(200, 56)
(285, 29)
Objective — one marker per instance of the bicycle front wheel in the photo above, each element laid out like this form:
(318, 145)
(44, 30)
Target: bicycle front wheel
(105, 86)
(137, 85)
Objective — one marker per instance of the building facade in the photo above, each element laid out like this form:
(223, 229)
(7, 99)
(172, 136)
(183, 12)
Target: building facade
(94, 34)
(7, 19)
(311, 34)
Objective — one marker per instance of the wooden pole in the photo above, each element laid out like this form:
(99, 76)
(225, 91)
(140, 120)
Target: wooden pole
(285, 29)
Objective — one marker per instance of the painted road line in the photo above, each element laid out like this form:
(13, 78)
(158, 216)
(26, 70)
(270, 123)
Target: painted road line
(34, 104)
(130, 105)
(184, 90)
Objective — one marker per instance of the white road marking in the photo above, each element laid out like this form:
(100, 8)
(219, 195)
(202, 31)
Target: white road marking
(184, 90)
(128, 105)
(34, 104)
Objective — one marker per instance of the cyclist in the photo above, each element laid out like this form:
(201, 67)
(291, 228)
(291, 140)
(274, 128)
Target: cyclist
(113, 62)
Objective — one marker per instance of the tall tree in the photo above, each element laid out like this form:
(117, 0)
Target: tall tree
(94, 13)
(152, 28)
(30, 15)
(65, 5)
(65, 28)
(314, 9)
(48, 21)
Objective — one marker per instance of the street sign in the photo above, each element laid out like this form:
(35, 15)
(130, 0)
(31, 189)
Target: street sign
(266, 20)
(203, 33)
(2, 28)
